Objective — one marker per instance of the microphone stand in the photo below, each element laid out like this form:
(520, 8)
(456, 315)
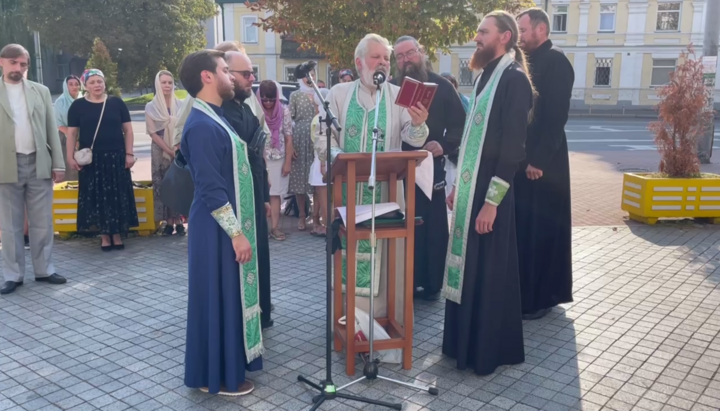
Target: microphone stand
(328, 390)
(371, 370)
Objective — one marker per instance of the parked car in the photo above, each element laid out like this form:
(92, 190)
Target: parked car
(287, 88)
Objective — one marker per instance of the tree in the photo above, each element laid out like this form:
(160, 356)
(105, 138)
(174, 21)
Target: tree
(143, 36)
(683, 115)
(100, 59)
(334, 27)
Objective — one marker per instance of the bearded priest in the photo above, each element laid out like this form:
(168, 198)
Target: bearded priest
(354, 105)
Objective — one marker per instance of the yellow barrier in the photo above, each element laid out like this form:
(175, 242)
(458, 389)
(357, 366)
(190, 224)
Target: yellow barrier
(65, 199)
(646, 199)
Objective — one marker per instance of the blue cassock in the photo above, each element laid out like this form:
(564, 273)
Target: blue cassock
(215, 350)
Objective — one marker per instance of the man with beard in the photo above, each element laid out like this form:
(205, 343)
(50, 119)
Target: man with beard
(224, 339)
(243, 120)
(354, 105)
(483, 319)
(542, 185)
(445, 123)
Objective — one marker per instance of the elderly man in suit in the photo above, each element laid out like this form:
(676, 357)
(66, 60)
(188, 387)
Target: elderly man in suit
(30, 160)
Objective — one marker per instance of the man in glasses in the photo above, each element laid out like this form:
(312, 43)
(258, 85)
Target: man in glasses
(446, 118)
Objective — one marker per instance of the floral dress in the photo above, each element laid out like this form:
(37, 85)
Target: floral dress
(302, 109)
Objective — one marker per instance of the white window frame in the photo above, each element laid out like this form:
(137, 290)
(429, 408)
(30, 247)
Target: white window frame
(286, 72)
(609, 84)
(614, 17)
(652, 72)
(679, 18)
(556, 13)
(256, 69)
(247, 24)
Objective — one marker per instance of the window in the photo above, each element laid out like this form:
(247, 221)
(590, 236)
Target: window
(661, 70)
(607, 17)
(290, 74)
(250, 30)
(466, 74)
(668, 16)
(603, 71)
(256, 73)
(559, 20)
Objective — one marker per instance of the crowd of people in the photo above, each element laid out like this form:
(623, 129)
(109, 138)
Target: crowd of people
(500, 163)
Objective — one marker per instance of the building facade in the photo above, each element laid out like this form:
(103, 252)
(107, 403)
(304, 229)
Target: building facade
(622, 50)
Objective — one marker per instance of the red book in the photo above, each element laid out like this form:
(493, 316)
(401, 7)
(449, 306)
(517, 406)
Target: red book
(413, 91)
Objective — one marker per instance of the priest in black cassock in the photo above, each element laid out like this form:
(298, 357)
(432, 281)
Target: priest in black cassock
(446, 117)
(542, 184)
(246, 124)
(483, 319)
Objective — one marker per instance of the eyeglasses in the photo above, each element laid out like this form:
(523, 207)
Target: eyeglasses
(410, 54)
(245, 73)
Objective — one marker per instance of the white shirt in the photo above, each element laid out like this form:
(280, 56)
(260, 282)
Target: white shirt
(24, 138)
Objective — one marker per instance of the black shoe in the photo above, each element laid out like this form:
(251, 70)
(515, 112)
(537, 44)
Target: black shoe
(266, 324)
(118, 246)
(168, 230)
(27, 242)
(9, 287)
(537, 314)
(51, 279)
(180, 229)
(106, 248)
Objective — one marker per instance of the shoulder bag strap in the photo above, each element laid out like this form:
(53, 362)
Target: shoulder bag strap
(99, 121)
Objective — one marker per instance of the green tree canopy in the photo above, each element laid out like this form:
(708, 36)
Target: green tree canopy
(100, 59)
(334, 27)
(142, 36)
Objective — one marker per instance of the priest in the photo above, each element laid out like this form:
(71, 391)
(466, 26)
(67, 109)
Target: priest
(446, 117)
(542, 185)
(354, 105)
(483, 319)
(224, 339)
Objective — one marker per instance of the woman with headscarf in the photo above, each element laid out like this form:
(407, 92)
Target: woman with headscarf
(161, 114)
(278, 148)
(71, 91)
(101, 123)
(316, 174)
(346, 76)
(302, 110)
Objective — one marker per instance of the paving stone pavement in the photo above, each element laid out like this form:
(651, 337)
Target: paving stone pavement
(642, 333)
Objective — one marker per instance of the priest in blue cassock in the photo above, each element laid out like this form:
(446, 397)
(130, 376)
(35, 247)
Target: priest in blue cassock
(224, 339)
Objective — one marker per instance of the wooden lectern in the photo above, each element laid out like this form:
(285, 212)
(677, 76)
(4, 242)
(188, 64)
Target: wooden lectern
(353, 168)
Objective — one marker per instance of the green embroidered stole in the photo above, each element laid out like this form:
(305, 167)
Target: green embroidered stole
(245, 206)
(468, 166)
(358, 138)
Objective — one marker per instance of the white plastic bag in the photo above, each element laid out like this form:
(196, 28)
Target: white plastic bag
(362, 333)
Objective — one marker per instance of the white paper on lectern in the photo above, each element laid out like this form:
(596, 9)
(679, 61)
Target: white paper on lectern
(425, 174)
(364, 212)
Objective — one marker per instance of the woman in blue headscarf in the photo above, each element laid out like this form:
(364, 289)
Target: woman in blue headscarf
(71, 91)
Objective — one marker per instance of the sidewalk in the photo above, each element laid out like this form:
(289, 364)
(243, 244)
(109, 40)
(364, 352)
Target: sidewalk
(642, 333)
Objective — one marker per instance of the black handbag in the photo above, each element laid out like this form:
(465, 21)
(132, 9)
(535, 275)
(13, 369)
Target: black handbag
(177, 189)
(257, 143)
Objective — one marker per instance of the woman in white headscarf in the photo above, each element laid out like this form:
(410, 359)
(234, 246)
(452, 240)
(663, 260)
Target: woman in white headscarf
(71, 91)
(160, 117)
(317, 170)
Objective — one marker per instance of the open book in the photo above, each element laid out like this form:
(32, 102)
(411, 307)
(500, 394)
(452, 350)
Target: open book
(413, 91)
(364, 212)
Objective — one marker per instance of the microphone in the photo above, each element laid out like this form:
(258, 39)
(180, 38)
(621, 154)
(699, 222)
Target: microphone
(302, 70)
(379, 77)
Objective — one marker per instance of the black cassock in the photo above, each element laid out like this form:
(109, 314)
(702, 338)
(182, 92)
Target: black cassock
(543, 209)
(242, 119)
(446, 119)
(485, 331)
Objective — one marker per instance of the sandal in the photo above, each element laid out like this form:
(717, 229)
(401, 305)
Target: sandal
(301, 225)
(277, 235)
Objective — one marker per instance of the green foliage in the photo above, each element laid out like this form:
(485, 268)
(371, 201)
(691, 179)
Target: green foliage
(334, 27)
(13, 29)
(100, 59)
(143, 36)
(146, 98)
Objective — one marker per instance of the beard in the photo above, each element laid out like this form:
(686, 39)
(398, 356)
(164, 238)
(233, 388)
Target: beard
(482, 57)
(15, 76)
(418, 71)
(530, 44)
(241, 93)
(226, 92)
(366, 75)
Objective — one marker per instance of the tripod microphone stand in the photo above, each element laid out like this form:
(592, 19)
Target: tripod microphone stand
(328, 390)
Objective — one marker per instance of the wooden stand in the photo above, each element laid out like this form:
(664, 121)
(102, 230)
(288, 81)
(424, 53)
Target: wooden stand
(353, 168)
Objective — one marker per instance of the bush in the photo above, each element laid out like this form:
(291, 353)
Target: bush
(100, 59)
(683, 117)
